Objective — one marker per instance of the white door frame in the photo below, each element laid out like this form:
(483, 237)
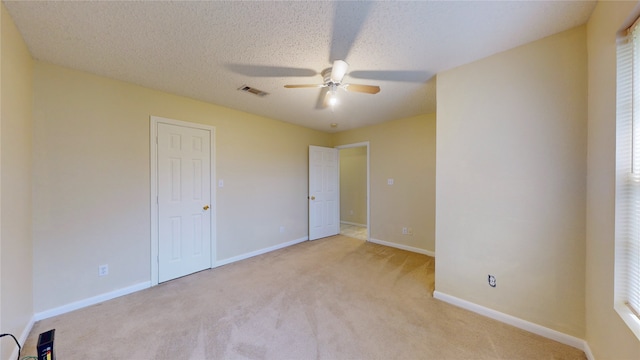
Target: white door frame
(153, 150)
(360, 144)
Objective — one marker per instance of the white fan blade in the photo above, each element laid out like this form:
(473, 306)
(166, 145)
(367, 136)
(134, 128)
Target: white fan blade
(323, 99)
(338, 71)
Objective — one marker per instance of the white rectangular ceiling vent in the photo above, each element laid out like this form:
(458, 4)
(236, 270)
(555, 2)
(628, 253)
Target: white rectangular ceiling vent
(253, 91)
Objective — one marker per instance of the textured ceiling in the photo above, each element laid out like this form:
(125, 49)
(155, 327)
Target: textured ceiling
(206, 50)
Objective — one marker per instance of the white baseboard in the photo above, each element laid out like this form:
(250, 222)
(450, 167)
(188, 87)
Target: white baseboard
(259, 252)
(141, 286)
(23, 337)
(352, 223)
(91, 301)
(403, 247)
(517, 322)
(587, 351)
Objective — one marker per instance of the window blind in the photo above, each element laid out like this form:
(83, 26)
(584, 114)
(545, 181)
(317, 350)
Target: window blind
(627, 258)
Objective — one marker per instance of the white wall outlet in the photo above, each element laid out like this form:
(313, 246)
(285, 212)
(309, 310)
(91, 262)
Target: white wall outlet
(405, 231)
(281, 229)
(389, 181)
(103, 270)
(220, 183)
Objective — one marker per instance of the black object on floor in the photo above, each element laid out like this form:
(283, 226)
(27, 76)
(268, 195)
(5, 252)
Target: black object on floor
(45, 345)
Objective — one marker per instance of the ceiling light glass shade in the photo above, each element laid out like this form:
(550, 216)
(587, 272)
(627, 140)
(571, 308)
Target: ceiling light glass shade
(332, 94)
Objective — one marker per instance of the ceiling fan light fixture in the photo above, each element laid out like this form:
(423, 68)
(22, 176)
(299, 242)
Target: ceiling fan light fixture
(332, 94)
(333, 100)
(332, 81)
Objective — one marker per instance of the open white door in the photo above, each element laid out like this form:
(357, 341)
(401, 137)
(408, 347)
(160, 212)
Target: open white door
(324, 210)
(184, 199)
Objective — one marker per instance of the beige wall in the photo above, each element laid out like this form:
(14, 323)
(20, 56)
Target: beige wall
(91, 180)
(607, 335)
(403, 150)
(511, 165)
(16, 284)
(353, 185)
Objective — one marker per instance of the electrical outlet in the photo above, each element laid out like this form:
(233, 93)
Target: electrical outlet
(103, 270)
(281, 229)
(405, 231)
(492, 281)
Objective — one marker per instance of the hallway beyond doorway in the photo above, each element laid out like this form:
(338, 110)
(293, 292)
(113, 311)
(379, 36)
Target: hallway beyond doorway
(354, 231)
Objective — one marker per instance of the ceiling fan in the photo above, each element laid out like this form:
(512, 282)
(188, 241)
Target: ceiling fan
(332, 78)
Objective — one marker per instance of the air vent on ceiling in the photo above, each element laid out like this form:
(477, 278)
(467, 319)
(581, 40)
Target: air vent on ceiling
(253, 91)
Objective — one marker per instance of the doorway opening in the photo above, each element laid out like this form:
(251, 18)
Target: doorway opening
(354, 190)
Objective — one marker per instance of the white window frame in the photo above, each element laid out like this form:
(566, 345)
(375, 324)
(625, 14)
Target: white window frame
(627, 215)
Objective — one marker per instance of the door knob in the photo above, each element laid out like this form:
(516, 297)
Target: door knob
(313, 198)
(206, 207)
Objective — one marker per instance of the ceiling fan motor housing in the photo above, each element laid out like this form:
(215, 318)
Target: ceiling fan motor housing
(326, 76)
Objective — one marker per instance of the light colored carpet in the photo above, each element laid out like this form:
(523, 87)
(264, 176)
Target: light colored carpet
(334, 298)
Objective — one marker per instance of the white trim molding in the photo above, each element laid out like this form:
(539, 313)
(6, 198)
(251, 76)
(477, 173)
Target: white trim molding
(403, 247)
(23, 337)
(627, 315)
(517, 322)
(587, 351)
(91, 301)
(259, 252)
